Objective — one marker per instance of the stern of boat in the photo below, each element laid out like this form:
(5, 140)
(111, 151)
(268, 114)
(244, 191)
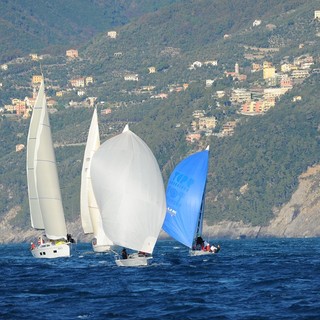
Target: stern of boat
(133, 261)
(50, 250)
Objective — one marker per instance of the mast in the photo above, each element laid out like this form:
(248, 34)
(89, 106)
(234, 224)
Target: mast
(201, 215)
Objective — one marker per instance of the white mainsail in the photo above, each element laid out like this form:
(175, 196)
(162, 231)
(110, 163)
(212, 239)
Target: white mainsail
(43, 184)
(129, 190)
(34, 204)
(90, 214)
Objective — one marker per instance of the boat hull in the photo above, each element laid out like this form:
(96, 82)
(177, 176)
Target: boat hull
(133, 261)
(101, 248)
(51, 250)
(200, 253)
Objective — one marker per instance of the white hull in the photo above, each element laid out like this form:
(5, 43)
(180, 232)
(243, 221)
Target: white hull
(101, 248)
(133, 261)
(200, 252)
(50, 250)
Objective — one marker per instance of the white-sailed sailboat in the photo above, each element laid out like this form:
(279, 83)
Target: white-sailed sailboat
(89, 211)
(130, 193)
(185, 196)
(45, 203)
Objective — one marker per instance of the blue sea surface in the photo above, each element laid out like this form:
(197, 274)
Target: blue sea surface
(247, 279)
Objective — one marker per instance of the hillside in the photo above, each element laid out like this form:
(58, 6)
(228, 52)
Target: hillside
(257, 169)
(253, 174)
(44, 26)
(196, 30)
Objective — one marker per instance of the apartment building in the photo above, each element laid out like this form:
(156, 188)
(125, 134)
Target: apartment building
(207, 123)
(36, 79)
(78, 82)
(274, 92)
(240, 95)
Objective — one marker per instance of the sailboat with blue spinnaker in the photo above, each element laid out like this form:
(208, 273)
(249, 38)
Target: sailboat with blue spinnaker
(185, 197)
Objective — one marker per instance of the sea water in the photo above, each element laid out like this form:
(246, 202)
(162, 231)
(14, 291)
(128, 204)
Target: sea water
(247, 279)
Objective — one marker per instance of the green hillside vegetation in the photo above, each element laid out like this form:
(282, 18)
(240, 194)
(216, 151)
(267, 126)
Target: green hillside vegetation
(197, 34)
(266, 154)
(265, 157)
(251, 173)
(197, 27)
(44, 26)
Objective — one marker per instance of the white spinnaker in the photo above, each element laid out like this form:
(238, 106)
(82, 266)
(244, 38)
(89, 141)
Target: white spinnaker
(129, 190)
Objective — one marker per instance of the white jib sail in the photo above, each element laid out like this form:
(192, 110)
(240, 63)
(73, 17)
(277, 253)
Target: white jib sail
(129, 190)
(93, 143)
(90, 214)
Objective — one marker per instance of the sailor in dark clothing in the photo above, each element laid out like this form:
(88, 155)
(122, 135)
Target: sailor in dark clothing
(199, 243)
(69, 238)
(124, 253)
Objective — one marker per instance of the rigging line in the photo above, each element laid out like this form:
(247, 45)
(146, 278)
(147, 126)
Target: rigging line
(115, 252)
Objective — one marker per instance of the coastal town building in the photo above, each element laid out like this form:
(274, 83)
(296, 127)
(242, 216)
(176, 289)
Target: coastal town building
(72, 53)
(207, 123)
(300, 74)
(78, 82)
(256, 23)
(131, 77)
(269, 71)
(112, 34)
(106, 111)
(209, 83)
(160, 96)
(228, 128)
(240, 95)
(20, 147)
(274, 92)
(198, 114)
(34, 56)
(256, 67)
(192, 137)
(88, 80)
(36, 79)
(211, 63)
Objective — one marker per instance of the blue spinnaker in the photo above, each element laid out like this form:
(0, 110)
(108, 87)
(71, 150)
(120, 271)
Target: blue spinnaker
(184, 195)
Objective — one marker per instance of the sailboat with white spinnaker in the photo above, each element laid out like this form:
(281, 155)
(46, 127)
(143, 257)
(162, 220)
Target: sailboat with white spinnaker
(129, 190)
